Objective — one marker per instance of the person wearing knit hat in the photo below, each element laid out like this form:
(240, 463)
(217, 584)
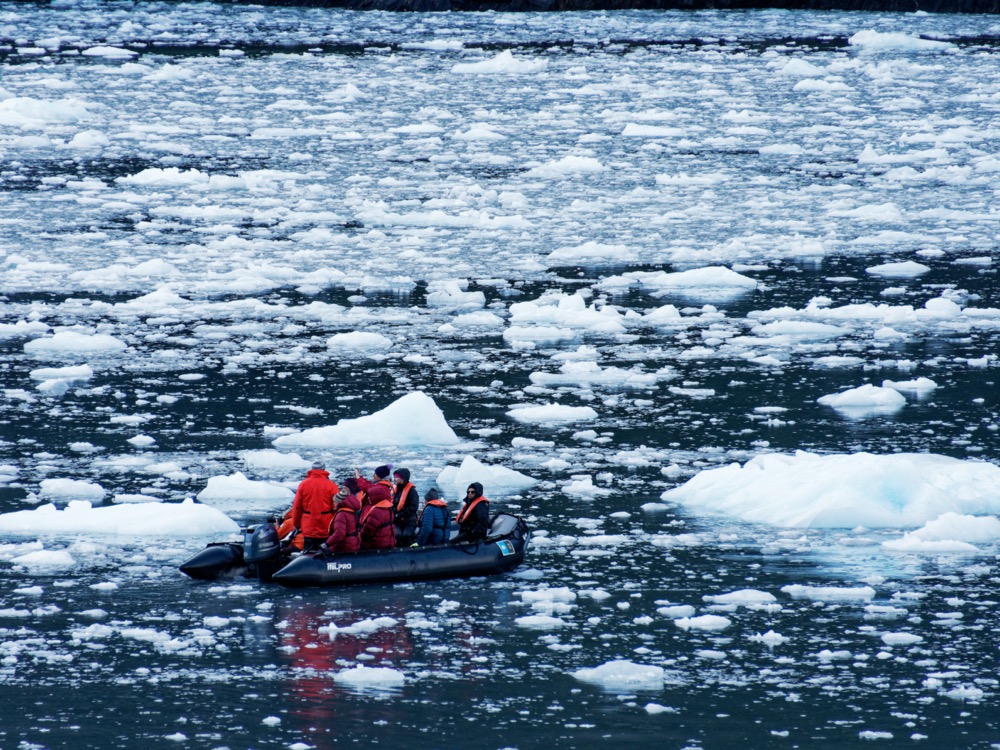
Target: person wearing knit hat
(434, 520)
(370, 487)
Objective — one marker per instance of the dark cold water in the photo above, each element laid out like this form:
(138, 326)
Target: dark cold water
(223, 189)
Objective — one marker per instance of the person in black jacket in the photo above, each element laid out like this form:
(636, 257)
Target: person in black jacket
(406, 503)
(474, 517)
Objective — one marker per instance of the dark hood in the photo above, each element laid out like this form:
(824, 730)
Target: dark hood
(403, 474)
(477, 487)
(351, 501)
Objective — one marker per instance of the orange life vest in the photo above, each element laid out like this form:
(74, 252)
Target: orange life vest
(368, 509)
(435, 503)
(401, 497)
(464, 513)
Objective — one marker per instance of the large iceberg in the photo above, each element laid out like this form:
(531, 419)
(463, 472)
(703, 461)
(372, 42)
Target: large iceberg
(413, 419)
(805, 490)
(143, 519)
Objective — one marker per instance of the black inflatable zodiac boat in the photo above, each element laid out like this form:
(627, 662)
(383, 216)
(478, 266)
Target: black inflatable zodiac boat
(260, 555)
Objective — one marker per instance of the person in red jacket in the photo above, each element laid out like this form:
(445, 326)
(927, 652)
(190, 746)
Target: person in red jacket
(381, 477)
(312, 508)
(377, 528)
(345, 536)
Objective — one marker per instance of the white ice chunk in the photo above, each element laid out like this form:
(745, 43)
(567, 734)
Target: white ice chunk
(704, 622)
(361, 627)
(359, 342)
(453, 480)
(891, 41)
(592, 252)
(71, 489)
(272, 460)
(237, 492)
(907, 269)
(147, 519)
(621, 676)
(865, 400)
(505, 62)
(902, 490)
(830, 593)
(950, 532)
(552, 414)
(364, 679)
(743, 597)
(413, 419)
(70, 342)
(42, 559)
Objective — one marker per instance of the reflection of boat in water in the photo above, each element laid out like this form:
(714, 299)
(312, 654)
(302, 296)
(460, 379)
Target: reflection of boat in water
(260, 556)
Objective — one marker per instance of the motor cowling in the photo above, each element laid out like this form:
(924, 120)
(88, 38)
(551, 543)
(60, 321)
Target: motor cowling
(261, 543)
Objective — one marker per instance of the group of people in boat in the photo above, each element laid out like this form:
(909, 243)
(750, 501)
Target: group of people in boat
(378, 513)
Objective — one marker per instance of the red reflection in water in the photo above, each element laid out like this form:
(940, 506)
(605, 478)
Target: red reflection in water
(318, 704)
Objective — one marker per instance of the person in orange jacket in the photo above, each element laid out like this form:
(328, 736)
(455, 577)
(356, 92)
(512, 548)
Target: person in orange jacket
(286, 528)
(313, 506)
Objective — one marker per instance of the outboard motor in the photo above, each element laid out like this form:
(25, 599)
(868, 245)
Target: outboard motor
(262, 549)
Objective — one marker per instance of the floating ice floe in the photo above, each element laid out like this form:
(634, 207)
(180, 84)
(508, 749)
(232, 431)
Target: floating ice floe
(270, 460)
(496, 480)
(237, 493)
(743, 597)
(540, 622)
(111, 52)
(864, 401)
(413, 419)
(452, 295)
(505, 62)
(591, 253)
(799, 68)
(67, 343)
(769, 639)
(562, 311)
(552, 414)
(881, 41)
(949, 533)
(903, 270)
(44, 559)
(148, 519)
(26, 112)
(71, 489)
(621, 676)
(165, 177)
(364, 679)
(359, 342)
(806, 490)
(362, 627)
(711, 282)
(830, 593)
(583, 486)
(916, 386)
(703, 622)
(57, 380)
(568, 166)
(591, 374)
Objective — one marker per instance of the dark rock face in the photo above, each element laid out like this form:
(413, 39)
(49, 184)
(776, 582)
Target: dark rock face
(431, 6)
